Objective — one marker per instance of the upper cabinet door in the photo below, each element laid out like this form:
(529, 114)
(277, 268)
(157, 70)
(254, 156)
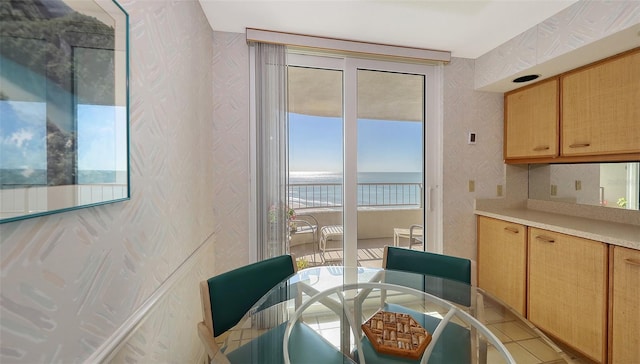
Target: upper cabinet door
(531, 121)
(601, 107)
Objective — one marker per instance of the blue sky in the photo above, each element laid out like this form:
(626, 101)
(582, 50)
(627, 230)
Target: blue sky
(102, 141)
(383, 146)
(22, 135)
(102, 136)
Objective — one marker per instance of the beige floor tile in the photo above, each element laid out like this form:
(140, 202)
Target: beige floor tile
(515, 330)
(494, 356)
(232, 345)
(222, 337)
(521, 355)
(540, 349)
(498, 333)
(432, 307)
(494, 315)
(235, 335)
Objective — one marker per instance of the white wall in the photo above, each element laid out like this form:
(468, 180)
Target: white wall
(467, 110)
(230, 146)
(71, 280)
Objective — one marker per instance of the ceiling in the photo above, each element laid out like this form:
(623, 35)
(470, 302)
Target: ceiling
(468, 28)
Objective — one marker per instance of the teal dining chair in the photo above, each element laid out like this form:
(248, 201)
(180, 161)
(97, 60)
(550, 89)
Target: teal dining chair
(455, 343)
(227, 297)
(438, 265)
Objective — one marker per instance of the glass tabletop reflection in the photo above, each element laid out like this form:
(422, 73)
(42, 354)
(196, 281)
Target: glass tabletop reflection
(319, 312)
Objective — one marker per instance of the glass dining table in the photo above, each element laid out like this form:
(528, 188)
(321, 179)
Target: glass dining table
(369, 315)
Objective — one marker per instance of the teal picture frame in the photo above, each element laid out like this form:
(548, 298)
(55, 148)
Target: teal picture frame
(64, 107)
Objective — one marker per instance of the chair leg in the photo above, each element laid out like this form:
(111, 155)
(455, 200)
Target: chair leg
(314, 252)
(479, 345)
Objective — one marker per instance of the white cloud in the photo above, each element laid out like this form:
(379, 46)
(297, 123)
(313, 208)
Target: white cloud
(20, 137)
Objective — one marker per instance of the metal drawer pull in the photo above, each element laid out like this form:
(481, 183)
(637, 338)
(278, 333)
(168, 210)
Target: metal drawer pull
(632, 261)
(512, 230)
(580, 145)
(537, 149)
(545, 239)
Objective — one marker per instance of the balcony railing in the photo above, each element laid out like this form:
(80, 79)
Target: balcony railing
(311, 195)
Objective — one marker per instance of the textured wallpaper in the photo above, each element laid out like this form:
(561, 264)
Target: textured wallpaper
(70, 280)
(580, 24)
(230, 147)
(466, 110)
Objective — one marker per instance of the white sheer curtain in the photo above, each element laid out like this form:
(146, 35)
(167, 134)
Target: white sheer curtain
(271, 149)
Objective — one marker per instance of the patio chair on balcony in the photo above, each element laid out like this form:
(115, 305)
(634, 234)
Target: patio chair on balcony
(414, 233)
(330, 239)
(304, 231)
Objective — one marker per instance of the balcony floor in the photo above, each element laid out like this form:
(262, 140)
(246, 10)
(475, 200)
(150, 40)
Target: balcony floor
(370, 252)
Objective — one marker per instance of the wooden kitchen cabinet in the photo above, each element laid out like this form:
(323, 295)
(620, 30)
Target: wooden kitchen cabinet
(600, 107)
(589, 114)
(567, 290)
(531, 120)
(624, 312)
(502, 259)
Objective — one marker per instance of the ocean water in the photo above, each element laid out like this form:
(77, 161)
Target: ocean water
(298, 177)
(324, 189)
(12, 178)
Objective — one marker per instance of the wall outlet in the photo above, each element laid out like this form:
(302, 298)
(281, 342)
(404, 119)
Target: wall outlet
(471, 137)
(578, 185)
(499, 190)
(472, 185)
(554, 190)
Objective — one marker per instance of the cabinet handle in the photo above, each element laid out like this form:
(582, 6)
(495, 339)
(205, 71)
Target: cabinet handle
(512, 229)
(545, 239)
(537, 149)
(580, 145)
(632, 261)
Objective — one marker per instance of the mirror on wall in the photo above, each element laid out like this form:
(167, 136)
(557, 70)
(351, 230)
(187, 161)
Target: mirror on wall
(615, 185)
(63, 106)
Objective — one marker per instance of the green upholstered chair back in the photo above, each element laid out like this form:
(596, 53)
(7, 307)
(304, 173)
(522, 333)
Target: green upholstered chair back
(445, 266)
(233, 293)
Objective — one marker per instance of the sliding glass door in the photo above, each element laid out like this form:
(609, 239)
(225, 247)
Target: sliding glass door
(357, 147)
(390, 161)
(316, 160)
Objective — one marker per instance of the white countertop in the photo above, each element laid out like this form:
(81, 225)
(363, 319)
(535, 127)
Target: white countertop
(625, 235)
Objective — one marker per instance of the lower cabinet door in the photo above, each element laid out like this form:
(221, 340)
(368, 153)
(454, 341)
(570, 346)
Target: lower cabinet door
(502, 261)
(625, 306)
(568, 290)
